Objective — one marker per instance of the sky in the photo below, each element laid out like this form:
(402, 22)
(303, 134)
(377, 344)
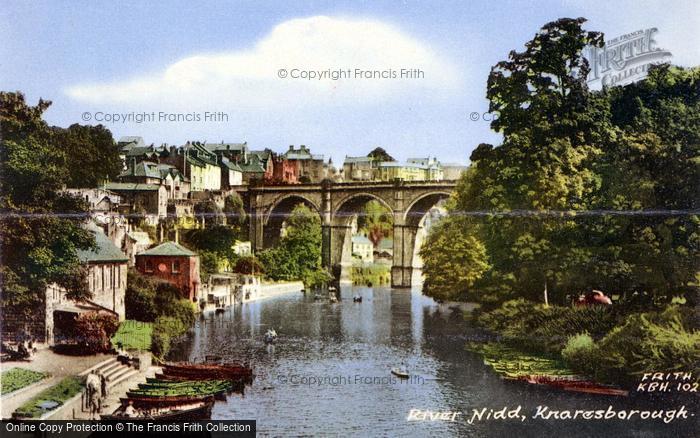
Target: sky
(237, 71)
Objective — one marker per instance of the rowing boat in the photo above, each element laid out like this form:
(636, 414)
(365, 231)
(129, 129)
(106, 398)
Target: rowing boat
(200, 410)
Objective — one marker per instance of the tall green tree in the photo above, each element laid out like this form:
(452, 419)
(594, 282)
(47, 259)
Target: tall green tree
(41, 226)
(91, 153)
(588, 189)
(298, 254)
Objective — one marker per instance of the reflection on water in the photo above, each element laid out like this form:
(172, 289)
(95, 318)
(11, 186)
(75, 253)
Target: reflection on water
(329, 373)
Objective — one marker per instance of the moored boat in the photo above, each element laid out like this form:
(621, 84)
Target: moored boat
(164, 401)
(200, 410)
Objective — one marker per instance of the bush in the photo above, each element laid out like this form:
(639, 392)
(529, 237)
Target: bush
(536, 327)
(649, 342)
(160, 344)
(581, 354)
(140, 295)
(96, 329)
(167, 329)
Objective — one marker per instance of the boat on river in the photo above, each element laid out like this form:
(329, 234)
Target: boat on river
(164, 401)
(400, 372)
(574, 385)
(191, 410)
(207, 371)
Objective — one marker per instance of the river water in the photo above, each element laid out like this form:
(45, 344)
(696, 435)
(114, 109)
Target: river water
(329, 373)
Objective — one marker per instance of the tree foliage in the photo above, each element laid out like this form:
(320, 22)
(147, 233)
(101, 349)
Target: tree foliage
(91, 153)
(41, 226)
(587, 190)
(298, 254)
(375, 221)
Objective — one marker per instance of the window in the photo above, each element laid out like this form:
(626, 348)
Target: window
(149, 266)
(176, 267)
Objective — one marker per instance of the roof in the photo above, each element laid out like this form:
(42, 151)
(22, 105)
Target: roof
(231, 165)
(170, 249)
(141, 237)
(131, 141)
(358, 160)
(361, 239)
(143, 168)
(131, 187)
(106, 251)
(213, 147)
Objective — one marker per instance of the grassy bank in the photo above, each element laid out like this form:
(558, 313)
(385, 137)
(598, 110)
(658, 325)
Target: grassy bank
(133, 335)
(18, 378)
(54, 397)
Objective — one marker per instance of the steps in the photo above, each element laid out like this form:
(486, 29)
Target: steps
(114, 371)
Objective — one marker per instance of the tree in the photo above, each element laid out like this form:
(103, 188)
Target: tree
(248, 265)
(234, 210)
(298, 253)
(209, 213)
(92, 155)
(376, 221)
(379, 154)
(453, 259)
(41, 226)
(570, 160)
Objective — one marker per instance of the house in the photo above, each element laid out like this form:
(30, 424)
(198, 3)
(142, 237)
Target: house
(393, 170)
(254, 169)
(106, 273)
(311, 168)
(231, 174)
(99, 200)
(384, 250)
(358, 168)
(151, 200)
(284, 171)
(148, 172)
(362, 248)
(52, 320)
(264, 158)
(431, 167)
(173, 263)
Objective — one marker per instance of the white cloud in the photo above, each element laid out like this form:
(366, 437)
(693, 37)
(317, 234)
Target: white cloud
(249, 78)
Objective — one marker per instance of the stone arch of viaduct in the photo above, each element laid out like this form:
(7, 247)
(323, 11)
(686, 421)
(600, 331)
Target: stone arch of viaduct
(337, 204)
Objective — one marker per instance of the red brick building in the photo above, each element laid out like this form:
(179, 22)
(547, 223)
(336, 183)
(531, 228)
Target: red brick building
(284, 171)
(173, 263)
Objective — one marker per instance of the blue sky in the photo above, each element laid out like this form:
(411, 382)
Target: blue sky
(180, 58)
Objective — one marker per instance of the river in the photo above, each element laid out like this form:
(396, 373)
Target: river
(329, 373)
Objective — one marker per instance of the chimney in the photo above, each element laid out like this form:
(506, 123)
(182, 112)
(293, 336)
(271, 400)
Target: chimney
(291, 147)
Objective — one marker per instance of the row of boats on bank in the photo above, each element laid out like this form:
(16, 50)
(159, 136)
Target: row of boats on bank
(183, 391)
